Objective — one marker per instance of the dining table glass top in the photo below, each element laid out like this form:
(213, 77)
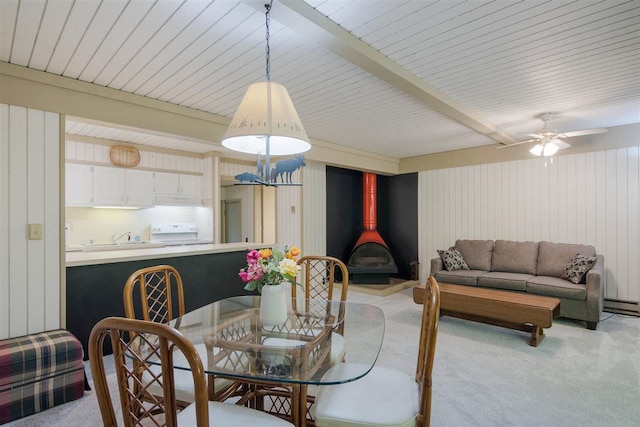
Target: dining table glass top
(232, 341)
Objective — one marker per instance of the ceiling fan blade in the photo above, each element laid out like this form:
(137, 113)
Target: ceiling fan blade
(561, 144)
(584, 132)
(515, 143)
(533, 135)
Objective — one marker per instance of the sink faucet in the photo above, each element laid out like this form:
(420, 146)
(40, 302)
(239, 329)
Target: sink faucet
(114, 239)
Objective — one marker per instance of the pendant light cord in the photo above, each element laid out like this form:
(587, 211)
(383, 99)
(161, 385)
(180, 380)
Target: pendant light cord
(267, 48)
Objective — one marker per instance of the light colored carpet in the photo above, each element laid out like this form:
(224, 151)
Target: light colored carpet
(489, 376)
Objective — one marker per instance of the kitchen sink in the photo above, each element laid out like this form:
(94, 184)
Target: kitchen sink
(121, 246)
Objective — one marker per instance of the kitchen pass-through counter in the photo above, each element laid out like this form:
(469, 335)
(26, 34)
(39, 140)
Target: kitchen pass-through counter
(79, 258)
(95, 280)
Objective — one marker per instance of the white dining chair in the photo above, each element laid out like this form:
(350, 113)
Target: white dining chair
(385, 397)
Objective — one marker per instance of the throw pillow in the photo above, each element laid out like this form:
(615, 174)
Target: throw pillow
(577, 268)
(453, 260)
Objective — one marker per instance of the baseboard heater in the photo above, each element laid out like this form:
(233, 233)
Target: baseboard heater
(622, 307)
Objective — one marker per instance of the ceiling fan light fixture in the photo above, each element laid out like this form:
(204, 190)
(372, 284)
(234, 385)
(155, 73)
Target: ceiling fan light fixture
(545, 149)
(537, 150)
(550, 149)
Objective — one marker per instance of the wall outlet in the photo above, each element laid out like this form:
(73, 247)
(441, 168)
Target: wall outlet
(35, 231)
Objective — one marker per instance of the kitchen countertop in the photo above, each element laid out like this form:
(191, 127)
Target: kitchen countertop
(76, 259)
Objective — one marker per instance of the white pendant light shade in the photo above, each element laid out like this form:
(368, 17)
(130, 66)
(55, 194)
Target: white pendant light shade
(266, 111)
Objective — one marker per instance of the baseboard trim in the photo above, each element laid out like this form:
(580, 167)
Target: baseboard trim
(622, 307)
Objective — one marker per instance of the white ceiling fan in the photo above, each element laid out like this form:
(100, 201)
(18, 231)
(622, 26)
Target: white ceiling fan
(548, 140)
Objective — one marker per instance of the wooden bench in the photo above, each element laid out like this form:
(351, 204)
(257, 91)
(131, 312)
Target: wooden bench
(513, 310)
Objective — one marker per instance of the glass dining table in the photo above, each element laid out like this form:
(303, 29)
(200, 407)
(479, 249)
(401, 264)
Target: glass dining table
(268, 359)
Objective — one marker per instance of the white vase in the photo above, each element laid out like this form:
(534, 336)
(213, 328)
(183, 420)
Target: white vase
(273, 305)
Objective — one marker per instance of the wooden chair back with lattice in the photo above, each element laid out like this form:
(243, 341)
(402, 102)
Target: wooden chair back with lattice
(317, 278)
(153, 342)
(427, 348)
(159, 287)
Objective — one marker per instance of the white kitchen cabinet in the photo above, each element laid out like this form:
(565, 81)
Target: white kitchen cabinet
(78, 184)
(108, 186)
(178, 189)
(88, 185)
(139, 188)
(191, 185)
(167, 183)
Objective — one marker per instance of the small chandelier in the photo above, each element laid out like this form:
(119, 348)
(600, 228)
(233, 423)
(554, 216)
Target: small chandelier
(545, 148)
(266, 122)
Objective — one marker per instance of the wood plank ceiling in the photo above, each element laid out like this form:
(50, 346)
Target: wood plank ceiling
(361, 73)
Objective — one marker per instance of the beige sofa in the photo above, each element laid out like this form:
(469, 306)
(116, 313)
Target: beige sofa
(532, 267)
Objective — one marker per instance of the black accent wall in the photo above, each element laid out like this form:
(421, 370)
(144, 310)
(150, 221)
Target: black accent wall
(397, 215)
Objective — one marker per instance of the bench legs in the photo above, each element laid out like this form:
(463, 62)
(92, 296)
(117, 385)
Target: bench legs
(536, 335)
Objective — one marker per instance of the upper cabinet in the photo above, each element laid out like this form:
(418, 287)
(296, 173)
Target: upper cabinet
(108, 186)
(79, 184)
(88, 185)
(139, 188)
(178, 189)
(191, 185)
(177, 183)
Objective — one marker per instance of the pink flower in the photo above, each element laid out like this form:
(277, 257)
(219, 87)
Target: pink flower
(244, 276)
(253, 256)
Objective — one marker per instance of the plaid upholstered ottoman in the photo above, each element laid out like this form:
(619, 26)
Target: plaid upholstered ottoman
(39, 371)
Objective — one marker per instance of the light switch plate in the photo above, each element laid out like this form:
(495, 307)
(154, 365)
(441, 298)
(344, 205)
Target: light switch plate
(35, 231)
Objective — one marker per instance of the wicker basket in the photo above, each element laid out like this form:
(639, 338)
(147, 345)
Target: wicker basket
(124, 155)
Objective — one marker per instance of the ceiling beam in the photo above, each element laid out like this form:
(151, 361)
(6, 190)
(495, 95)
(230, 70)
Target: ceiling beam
(313, 25)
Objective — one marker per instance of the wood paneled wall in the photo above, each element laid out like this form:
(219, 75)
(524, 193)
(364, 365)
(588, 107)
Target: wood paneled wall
(589, 198)
(29, 194)
(314, 209)
(288, 218)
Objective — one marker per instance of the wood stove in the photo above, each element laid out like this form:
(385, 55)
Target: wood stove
(370, 260)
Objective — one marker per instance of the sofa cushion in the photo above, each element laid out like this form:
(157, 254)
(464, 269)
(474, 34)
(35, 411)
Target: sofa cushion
(554, 257)
(577, 268)
(453, 260)
(476, 253)
(499, 280)
(556, 287)
(459, 277)
(515, 257)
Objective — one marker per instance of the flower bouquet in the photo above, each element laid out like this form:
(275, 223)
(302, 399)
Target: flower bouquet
(270, 267)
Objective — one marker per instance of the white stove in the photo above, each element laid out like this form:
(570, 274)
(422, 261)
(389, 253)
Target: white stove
(176, 233)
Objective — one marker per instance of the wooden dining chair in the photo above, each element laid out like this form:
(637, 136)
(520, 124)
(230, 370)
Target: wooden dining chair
(385, 397)
(141, 344)
(159, 287)
(317, 280)
(161, 299)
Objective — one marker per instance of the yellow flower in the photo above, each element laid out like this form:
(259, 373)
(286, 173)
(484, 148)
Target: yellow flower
(288, 267)
(265, 253)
